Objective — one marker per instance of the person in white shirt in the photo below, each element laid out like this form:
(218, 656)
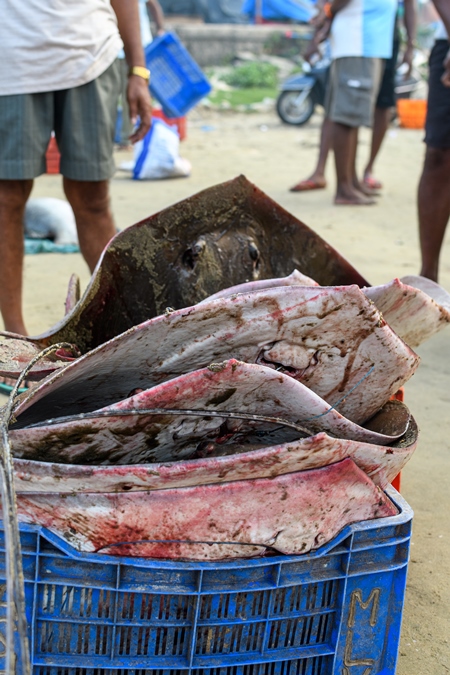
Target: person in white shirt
(434, 185)
(361, 33)
(59, 72)
(382, 115)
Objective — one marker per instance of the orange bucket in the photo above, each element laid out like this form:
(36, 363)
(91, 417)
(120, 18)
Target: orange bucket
(52, 156)
(412, 113)
(399, 396)
(179, 122)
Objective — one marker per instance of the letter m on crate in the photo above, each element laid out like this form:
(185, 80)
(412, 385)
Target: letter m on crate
(370, 625)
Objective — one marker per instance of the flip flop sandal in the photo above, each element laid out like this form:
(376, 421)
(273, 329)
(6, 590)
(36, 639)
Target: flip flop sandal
(306, 185)
(372, 183)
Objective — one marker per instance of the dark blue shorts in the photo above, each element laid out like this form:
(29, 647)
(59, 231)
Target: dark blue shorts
(437, 126)
(386, 95)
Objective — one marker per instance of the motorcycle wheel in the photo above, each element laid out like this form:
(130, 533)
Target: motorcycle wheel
(292, 113)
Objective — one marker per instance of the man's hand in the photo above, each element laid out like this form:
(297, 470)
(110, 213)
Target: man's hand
(321, 34)
(311, 50)
(324, 31)
(138, 95)
(318, 20)
(140, 104)
(408, 59)
(445, 79)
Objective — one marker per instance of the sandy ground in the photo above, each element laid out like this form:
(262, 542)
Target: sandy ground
(381, 242)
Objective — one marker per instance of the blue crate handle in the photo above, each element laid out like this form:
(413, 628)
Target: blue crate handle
(185, 541)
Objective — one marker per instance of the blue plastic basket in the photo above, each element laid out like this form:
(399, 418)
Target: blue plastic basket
(332, 612)
(176, 80)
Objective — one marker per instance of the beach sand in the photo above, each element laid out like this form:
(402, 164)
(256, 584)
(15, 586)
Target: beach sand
(381, 242)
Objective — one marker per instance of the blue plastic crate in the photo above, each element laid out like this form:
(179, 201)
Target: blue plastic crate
(336, 611)
(176, 80)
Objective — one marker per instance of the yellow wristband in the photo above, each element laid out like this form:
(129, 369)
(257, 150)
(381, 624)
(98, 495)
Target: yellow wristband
(140, 71)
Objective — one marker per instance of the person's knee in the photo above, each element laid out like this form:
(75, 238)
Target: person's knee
(87, 196)
(437, 159)
(14, 194)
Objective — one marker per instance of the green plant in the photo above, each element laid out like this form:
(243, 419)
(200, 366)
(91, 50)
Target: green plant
(252, 74)
(238, 98)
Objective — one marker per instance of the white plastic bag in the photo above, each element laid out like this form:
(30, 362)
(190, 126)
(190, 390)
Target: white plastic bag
(156, 156)
(50, 218)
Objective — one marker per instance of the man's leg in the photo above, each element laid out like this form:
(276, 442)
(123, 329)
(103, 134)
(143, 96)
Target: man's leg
(86, 144)
(13, 197)
(434, 186)
(95, 224)
(351, 105)
(345, 141)
(383, 111)
(381, 121)
(317, 179)
(434, 208)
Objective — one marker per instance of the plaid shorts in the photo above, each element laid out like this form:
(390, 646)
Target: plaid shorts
(83, 119)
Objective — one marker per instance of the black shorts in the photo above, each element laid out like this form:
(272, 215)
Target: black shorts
(386, 95)
(437, 126)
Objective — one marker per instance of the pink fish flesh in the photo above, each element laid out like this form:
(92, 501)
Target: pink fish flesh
(288, 514)
(414, 307)
(431, 288)
(411, 312)
(15, 355)
(333, 340)
(380, 463)
(232, 387)
(296, 278)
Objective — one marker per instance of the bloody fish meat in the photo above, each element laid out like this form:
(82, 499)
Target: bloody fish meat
(287, 513)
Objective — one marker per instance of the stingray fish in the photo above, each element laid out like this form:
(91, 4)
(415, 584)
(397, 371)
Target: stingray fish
(287, 513)
(333, 340)
(414, 307)
(220, 237)
(220, 463)
(232, 387)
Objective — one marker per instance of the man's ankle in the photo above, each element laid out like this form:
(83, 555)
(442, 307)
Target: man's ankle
(15, 326)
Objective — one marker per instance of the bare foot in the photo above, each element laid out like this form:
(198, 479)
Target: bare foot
(353, 198)
(366, 190)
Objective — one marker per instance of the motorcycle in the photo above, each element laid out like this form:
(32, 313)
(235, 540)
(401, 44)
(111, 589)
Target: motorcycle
(302, 92)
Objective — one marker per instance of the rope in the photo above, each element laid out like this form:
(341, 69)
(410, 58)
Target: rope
(15, 588)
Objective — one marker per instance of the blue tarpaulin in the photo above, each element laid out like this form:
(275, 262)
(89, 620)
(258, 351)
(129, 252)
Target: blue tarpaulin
(277, 10)
(46, 246)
